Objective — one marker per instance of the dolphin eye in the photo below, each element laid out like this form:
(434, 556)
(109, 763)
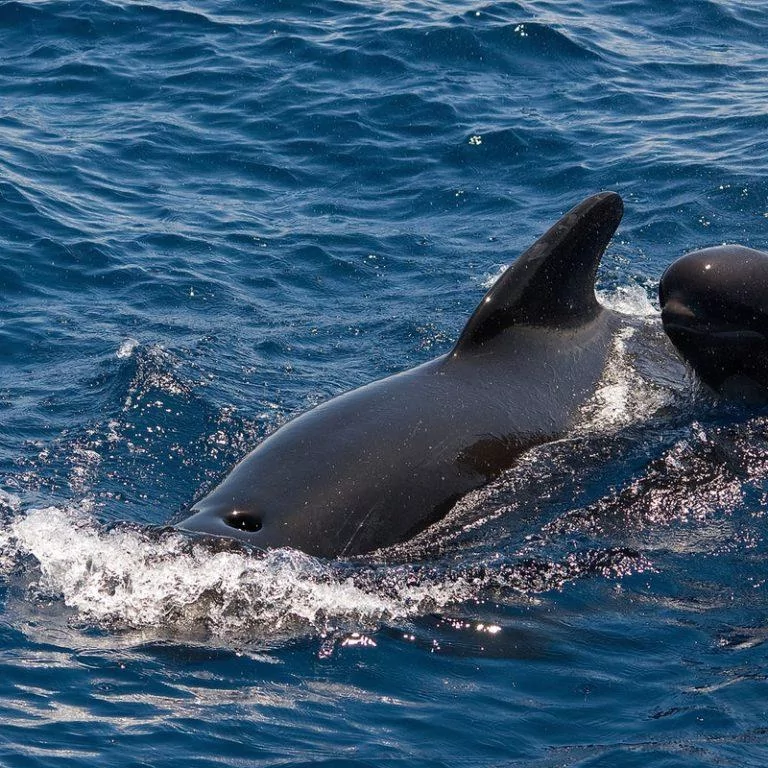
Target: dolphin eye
(243, 521)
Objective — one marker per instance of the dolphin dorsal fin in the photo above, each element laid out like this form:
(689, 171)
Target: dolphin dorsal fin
(552, 284)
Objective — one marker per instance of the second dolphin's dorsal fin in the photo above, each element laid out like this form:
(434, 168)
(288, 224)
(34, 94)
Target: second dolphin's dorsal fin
(552, 284)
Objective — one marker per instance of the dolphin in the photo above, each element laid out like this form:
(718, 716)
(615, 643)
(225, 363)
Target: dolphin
(377, 465)
(714, 308)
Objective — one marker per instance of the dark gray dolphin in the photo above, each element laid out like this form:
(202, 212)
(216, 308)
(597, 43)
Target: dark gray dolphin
(714, 307)
(379, 464)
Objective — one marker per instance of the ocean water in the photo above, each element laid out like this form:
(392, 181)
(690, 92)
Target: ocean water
(216, 215)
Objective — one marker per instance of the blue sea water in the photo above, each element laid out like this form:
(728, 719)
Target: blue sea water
(216, 215)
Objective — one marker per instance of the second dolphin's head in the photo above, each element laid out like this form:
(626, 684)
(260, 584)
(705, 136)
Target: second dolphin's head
(714, 306)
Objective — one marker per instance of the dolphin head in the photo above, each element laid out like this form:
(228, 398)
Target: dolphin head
(345, 478)
(293, 490)
(714, 307)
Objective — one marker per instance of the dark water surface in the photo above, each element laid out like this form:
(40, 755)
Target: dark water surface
(215, 215)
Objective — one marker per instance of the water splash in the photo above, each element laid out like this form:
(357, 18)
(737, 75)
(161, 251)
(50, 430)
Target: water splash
(129, 578)
(630, 300)
(126, 349)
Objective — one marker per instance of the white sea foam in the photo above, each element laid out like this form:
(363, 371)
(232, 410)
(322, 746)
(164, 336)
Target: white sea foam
(629, 300)
(127, 348)
(489, 280)
(162, 582)
(613, 400)
(131, 579)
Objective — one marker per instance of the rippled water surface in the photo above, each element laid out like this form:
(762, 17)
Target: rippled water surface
(216, 215)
